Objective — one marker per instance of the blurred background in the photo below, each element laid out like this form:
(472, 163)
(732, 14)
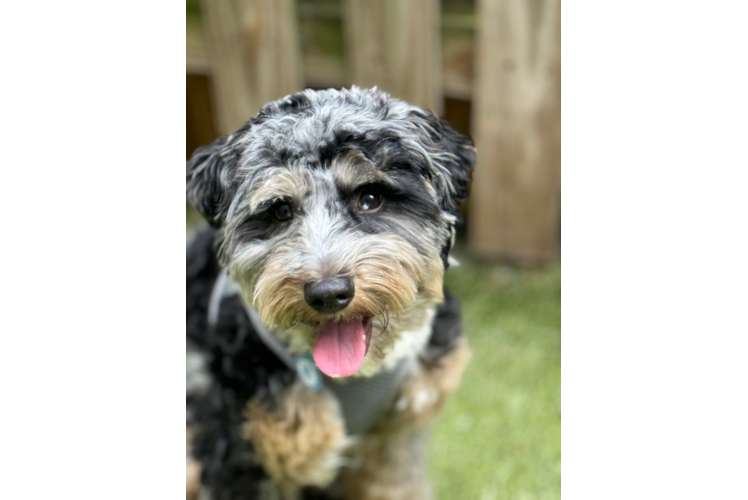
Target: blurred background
(492, 68)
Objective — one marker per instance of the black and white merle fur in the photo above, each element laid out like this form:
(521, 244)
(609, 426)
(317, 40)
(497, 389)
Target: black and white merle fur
(317, 153)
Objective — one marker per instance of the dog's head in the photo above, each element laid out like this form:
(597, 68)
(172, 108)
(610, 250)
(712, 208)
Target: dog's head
(336, 211)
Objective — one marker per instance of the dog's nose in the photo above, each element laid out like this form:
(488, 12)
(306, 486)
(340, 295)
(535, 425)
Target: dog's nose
(329, 295)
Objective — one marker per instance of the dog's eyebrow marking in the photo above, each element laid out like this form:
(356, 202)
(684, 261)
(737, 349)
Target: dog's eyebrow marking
(354, 170)
(277, 183)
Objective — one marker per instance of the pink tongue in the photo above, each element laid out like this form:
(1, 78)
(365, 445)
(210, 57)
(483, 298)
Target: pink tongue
(340, 348)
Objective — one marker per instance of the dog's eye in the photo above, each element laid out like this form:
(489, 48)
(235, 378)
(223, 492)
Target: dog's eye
(369, 202)
(282, 211)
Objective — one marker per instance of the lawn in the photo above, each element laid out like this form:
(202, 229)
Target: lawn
(568, 404)
(500, 435)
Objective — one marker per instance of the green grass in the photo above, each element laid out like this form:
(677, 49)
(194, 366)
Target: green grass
(193, 218)
(500, 435)
(568, 400)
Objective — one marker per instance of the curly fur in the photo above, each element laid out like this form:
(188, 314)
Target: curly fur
(258, 433)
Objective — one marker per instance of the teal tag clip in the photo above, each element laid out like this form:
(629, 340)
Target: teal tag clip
(308, 372)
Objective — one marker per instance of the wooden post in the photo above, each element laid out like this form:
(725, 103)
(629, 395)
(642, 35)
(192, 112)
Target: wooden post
(396, 45)
(255, 56)
(515, 198)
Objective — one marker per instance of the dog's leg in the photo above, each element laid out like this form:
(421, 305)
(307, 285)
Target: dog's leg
(389, 464)
(300, 440)
(424, 393)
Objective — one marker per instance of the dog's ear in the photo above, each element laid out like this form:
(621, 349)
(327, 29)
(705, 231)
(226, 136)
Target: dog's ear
(454, 156)
(210, 174)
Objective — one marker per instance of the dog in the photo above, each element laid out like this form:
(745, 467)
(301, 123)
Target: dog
(321, 342)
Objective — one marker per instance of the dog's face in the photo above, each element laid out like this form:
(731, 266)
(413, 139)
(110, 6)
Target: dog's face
(337, 212)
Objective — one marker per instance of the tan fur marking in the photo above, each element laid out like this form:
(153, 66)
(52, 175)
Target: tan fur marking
(300, 442)
(278, 183)
(193, 468)
(354, 170)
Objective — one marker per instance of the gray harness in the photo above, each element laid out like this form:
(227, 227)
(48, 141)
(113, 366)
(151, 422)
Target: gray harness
(362, 399)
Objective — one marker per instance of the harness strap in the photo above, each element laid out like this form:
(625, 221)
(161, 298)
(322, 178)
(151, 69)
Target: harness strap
(363, 399)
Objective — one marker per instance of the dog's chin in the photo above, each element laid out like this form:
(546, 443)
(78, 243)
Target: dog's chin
(341, 346)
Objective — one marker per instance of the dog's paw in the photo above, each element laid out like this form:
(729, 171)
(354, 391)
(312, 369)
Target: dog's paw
(419, 400)
(301, 441)
(424, 393)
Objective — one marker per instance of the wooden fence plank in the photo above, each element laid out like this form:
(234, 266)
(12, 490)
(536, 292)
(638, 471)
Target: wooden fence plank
(198, 62)
(515, 198)
(255, 55)
(395, 45)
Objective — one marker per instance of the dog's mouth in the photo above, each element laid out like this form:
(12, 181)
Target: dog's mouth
(341, 346)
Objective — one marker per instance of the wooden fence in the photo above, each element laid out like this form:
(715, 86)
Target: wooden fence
(501, 57)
